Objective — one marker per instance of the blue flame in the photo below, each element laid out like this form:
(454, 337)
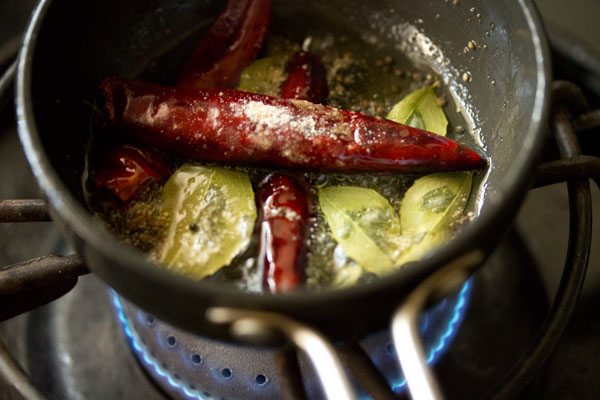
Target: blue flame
(447, 336)
(150, 361)
(434, 353)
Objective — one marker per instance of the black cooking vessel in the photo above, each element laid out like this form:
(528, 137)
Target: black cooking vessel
(70, 46)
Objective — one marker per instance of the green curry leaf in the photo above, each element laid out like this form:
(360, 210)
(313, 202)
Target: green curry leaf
(430, 208)
(211, 214)
(264, 76)
(365, 224)
(434, 202)
(420, 109)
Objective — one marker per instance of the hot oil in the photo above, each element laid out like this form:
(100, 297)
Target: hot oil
(364, 75)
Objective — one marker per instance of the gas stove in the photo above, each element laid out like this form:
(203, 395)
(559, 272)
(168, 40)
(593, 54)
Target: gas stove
(91, 344)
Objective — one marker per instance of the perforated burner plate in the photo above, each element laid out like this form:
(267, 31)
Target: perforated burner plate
(193, 367)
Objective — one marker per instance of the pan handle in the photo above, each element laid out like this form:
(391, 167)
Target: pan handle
(259, 327)
(405, 328)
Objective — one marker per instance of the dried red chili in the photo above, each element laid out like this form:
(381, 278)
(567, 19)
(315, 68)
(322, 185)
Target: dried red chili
(284, 207)
(306, 79)
(126, 170)
(283, 200)
(244, 128)
(229, 46)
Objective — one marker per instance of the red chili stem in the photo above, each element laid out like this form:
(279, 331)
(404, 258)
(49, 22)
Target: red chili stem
(245, 128)
(229, 46)
(126, 170)
(306, 79)
(284, 207)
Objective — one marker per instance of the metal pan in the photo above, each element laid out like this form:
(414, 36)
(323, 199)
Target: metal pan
(71, 45)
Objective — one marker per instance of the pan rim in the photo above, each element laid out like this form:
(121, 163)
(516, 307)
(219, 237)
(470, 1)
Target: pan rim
(513, 187)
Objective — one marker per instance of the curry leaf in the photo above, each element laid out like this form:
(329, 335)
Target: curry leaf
(264, 76)
(364, 224)
(432, 205)
(420, 109)
(429, 210)
(211, 214)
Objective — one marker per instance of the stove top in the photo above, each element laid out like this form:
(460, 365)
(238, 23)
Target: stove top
(74, 348)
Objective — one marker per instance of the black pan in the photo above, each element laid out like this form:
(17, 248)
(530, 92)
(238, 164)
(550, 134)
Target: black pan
(72, 45)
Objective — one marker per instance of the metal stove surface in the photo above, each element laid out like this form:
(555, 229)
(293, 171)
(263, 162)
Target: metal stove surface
(75, 349)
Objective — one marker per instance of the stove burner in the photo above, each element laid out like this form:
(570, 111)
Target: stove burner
(192, 367)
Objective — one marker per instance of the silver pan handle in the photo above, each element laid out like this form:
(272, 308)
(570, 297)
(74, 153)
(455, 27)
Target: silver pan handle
(256, 327)
(405, 332)
(259, 327)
